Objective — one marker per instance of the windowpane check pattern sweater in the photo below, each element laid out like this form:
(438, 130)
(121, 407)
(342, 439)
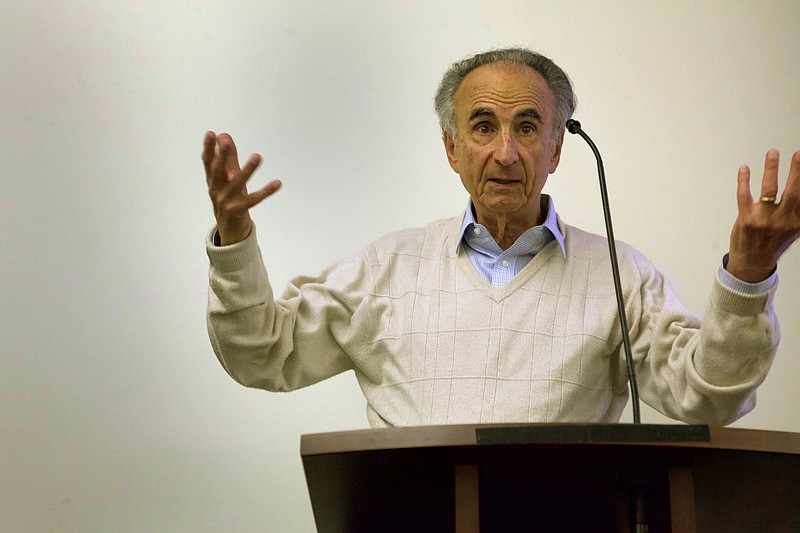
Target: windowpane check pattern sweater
(431, 342)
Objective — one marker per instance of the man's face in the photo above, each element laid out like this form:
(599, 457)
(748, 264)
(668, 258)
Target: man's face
(505, 148)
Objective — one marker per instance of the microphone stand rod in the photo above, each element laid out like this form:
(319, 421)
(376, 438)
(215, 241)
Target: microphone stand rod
(574, 127)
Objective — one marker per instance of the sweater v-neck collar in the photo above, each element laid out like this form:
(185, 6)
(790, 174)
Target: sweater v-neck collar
(501, 293)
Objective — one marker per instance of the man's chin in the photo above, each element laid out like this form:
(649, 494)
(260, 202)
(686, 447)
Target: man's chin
(505, 203)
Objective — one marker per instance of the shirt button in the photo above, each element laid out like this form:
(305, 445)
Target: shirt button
(477, 231)
(505, 263)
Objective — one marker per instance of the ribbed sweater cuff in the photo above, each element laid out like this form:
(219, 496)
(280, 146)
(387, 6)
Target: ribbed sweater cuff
(738, 303)
(232, 257)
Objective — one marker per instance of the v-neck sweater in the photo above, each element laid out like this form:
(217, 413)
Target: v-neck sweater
(431, 342)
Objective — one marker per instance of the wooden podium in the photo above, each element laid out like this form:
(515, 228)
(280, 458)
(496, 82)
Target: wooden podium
(575, 478)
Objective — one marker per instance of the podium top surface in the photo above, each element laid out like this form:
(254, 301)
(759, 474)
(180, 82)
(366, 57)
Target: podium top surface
(677, 435)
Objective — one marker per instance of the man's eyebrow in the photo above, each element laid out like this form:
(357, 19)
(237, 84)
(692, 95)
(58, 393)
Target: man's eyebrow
(530, 112)
(480, 112)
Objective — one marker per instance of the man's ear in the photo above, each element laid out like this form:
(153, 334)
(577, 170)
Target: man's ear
(450, 149)
(556, 153)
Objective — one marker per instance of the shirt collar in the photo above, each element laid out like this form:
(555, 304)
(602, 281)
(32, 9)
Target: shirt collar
(550, 222)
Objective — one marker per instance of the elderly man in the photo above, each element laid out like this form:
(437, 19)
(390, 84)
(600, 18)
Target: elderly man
(505, 313)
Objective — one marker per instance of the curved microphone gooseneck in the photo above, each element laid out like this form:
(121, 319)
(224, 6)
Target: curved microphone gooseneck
(574, 127)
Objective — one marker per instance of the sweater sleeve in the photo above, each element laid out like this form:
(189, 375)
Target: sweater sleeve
(701, 371)
(280, 344)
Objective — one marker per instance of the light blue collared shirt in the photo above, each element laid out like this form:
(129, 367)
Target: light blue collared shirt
(498, 266)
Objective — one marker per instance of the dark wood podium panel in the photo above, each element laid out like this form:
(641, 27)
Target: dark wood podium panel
(506, 478)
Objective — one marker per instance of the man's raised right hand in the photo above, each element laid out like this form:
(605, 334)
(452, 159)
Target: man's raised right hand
(227, 187)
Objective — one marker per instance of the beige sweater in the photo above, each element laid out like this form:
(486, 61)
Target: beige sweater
(431, 342)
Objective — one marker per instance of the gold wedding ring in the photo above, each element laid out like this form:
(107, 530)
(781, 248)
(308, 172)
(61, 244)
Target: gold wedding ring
(768, 199)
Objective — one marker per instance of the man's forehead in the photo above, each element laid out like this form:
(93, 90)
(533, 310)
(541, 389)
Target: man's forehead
(503, 85)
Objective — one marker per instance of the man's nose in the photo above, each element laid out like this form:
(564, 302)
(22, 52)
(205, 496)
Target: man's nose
(507, 151)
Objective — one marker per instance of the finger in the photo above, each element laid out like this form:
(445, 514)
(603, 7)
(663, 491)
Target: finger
(215, 175)
(769, 183)
(265, 192)
(791, 195)
(240, 178)
(218, 169)
(743, 197)
(209, 149)
(228, 153)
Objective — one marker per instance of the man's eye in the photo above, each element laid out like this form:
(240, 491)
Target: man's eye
(483, 129)
(527, 129)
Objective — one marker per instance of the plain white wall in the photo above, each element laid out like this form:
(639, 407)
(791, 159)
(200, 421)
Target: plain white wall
(114, 413)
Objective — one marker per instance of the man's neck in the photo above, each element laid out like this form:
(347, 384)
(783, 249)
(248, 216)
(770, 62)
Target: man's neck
(505, 228)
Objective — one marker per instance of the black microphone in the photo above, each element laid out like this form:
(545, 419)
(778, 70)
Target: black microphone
(574, 127)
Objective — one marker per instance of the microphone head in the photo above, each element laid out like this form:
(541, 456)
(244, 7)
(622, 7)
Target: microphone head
(573, 126)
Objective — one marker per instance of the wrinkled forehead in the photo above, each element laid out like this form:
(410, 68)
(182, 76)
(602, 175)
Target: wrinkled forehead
(503, 87)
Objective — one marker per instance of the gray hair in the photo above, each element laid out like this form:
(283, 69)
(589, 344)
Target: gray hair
(557, 80)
